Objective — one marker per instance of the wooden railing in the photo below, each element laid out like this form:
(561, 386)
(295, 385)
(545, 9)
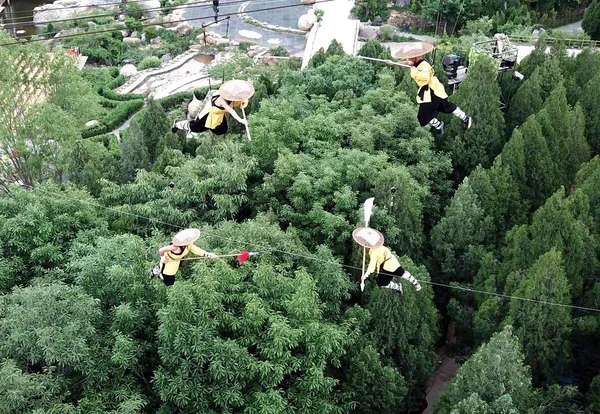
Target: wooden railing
(572, 43)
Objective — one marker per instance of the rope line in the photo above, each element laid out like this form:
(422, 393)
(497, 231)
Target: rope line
(314, 258)
(147, 25)
(191, 5)
(82, 7)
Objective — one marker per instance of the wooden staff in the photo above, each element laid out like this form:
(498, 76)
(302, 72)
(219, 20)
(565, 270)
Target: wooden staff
(389, 62)
(247, 129)
(242, 256)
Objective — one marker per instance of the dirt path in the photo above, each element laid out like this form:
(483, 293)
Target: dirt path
(439, 381)
(446, 371)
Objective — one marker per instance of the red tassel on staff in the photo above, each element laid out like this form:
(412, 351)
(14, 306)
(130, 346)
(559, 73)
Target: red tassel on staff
(243, 256)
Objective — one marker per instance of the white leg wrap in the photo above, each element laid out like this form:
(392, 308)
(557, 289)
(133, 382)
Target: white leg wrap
(410, 278)
(395, 286)
(183, 125)
(459, 113)
(436, 123)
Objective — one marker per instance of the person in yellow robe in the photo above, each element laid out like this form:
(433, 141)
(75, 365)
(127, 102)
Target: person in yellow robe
(171, 255)
(212, 116)
(382, 261)
(432, 98)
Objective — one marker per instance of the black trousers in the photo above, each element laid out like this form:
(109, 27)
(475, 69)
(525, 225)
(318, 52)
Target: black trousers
(428, 111)
(198, 125)
(168, 280)
(384, 280)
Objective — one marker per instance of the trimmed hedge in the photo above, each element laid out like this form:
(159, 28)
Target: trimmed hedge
(149, 62)
(173, 101)
(93, 130)
(114, 119)
(116, 82)
(107, 91)
(121, 113)
(110, 94)
(108, 103)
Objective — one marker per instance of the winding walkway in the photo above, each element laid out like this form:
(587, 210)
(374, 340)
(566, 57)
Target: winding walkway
(241, 31)
(335, 25)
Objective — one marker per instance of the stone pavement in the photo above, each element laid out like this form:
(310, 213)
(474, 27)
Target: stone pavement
(283, 17)
(336, 24)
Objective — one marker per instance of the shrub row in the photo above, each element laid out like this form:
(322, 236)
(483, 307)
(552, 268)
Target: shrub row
(114, 119)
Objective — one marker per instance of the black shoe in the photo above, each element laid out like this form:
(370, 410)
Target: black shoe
(440, 129)
(468, 121)
(154, 272)
(174, 129)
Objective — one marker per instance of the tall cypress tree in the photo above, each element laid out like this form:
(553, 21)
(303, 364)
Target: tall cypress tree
(591, 20)
(479, 97)
(492, 375)
(591, 107)
(540, 169)
(527, 101)
(154, 124)
(544, 330)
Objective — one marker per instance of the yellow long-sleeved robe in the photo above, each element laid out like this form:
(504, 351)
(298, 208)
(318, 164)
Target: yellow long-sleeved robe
(424, 75)
(172, 260)
(216, 114)
(382, 255)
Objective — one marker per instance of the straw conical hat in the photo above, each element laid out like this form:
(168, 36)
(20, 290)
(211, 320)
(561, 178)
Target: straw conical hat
(236, 90)
(185, 237)
(413, 49)
(367, 237)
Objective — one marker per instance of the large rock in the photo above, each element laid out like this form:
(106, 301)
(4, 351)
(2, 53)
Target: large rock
(128, 71)
(132, 41)
(183, 29)
(171, 20)
(166, 58)
(92, 123)
(69, 32)
(66, 3)
(212, 38)
(156, 40)
(307, 21)
(368, 32)
(256, 50)
(63, 9)
(154, 20)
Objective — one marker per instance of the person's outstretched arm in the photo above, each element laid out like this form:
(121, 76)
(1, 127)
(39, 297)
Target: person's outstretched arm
(233, 113)
(199, 252)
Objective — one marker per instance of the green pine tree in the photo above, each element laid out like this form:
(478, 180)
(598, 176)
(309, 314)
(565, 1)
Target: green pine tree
(527, 101)
(591, 108)
(135, 155)
(479, 97)
(154, 125)
(495, 375)
(591, 20)
(544, 330)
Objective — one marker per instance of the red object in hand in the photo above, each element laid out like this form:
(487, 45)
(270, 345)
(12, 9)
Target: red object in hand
(243, 256)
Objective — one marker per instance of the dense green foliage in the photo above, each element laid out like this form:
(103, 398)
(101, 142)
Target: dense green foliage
(591, 20)
(499, 224)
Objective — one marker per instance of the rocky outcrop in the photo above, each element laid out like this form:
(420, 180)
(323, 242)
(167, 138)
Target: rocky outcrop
(211, 38)
(183, 29)
(306, 21)
(63, 9)
(132, 41)
(128, 71)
